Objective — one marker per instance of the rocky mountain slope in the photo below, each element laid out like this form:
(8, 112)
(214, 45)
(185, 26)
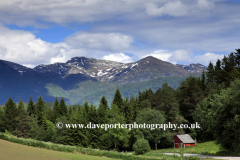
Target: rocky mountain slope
(84, 78)
(194, 68)
(108, 71)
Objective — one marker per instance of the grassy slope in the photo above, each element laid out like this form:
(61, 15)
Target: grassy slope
(48, 150)
(79, 151)
(92, 91)
(206, 148)
(9, 151)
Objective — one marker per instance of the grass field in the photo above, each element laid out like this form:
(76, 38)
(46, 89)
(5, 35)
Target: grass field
(207, 148)
(10, 151)
(12, 147)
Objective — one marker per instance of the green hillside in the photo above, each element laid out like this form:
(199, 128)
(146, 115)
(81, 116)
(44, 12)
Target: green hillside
(92, 91)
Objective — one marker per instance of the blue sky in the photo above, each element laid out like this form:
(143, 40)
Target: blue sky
(177, 31)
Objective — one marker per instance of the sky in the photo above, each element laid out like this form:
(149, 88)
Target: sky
(177, 31)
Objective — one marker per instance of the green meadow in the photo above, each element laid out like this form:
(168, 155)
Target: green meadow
(206, 148)
(10, 151)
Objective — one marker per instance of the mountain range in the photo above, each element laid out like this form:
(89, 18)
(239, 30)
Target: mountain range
(82, 78)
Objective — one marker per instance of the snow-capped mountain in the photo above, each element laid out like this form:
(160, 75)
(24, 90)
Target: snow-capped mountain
(82, 78)
(107, 71)
(194, 68)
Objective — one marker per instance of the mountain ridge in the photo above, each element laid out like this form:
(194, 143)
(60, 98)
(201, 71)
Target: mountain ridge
(82, 77)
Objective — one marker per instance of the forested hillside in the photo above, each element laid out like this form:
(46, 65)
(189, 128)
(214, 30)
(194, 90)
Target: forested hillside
(212, 100)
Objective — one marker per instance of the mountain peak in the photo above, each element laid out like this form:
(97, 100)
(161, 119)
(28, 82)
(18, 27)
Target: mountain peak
(150, 58)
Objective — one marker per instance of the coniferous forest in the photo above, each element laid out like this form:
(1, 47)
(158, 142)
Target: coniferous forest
(212, 100)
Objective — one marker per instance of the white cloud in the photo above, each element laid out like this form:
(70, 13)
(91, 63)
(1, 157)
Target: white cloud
(172, 57)
(180, 55)
(176, 8)
(207, 57)
(29, 12)
(205, 5)
(109, 42)
(24, 48)
(120, 57)
(163, 55)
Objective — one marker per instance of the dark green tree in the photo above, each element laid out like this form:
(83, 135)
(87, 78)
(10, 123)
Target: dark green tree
(170, 103)
(210, 74)
(20, 105)
(118, 101)
(189, 95)
(128, 111)
(102, 114)
(157, 100)
(218, 72)
(237, 57)
(22, 123)
(10, 112)
(203, 81)
(31, 107)
(135, 106)
(56, 110)
(63, 108)
(2, 127)
(40, 111)
(220, 115)
(94, 133)
(104, 102)
(70, 112)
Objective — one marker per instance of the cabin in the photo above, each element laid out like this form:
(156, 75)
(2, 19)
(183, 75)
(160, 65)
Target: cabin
(183, 140)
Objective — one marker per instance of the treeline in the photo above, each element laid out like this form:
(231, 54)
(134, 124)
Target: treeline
(213, 100)
(38, 121)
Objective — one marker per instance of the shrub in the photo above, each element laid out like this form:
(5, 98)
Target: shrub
(193, 158)
(141, 146)
(7, 133)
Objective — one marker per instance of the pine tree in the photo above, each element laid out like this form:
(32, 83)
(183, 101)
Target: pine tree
(102, 114)
(189, 96)
(40, 110)
(170, 103)
(203, 81)
(227, 68)
(136, 107)
(218, 72)
(210, 74)
(56, 109)
(104, 102)
(63, 108)
(128, 111)
(237, 58)
(49, 114)
(157, 100)
(70, 112)
(2, 128)
(22, 123)
(94, 133)
(118, 100)
(20, 106)
(11, 112)
(31, 107)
